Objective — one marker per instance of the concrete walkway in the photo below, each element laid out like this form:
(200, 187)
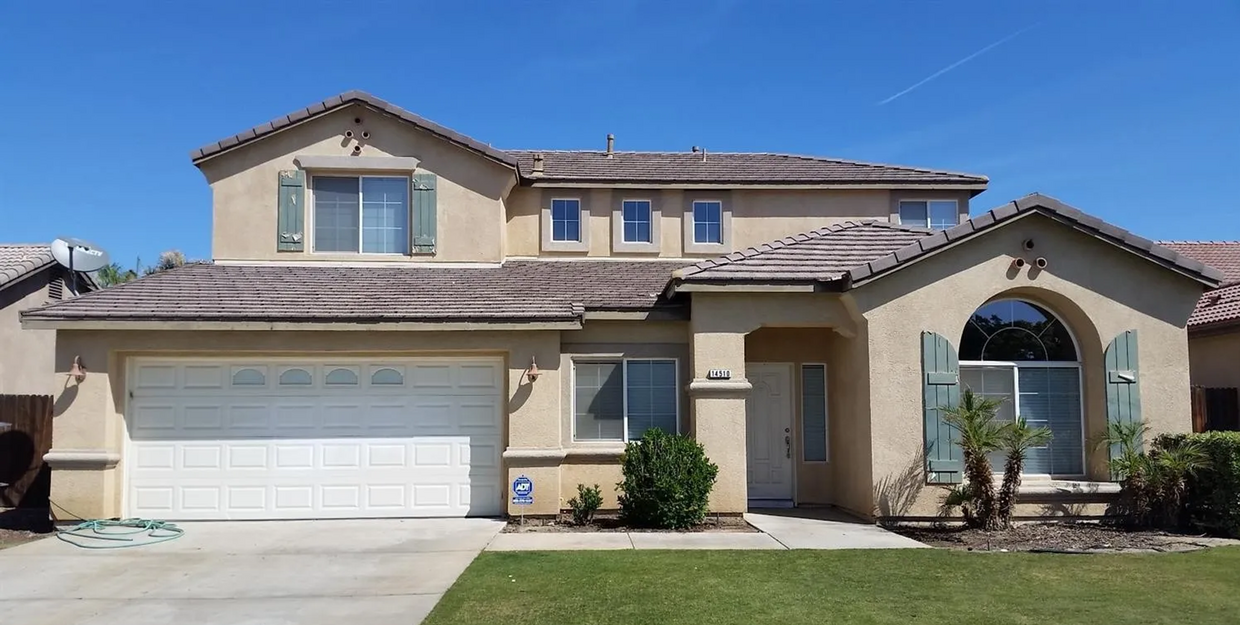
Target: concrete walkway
(226, 573)
(780, 529)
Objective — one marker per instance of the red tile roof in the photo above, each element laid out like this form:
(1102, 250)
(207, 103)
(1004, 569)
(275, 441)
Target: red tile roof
(1221, 306)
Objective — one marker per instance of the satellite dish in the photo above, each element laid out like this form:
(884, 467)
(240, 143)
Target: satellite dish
(79, 255)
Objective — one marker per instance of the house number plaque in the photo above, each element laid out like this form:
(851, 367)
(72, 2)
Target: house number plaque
(719, 374)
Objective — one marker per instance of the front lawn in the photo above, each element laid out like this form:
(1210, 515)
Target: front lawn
(902, 587)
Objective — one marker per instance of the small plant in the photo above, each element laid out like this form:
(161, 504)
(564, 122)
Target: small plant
(1153, 486)
(588, 500)
(1016, 439)
(980, 434)
(667, 481)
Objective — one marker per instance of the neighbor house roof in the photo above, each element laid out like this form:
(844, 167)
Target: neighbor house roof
(18, 260)
(340, 101)
(1222, 255)
(728, 168)
(517, 291)
(822, 255)
(1220, 307)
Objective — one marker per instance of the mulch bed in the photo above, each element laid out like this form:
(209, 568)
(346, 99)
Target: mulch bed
(610, 523)
(1060, 537)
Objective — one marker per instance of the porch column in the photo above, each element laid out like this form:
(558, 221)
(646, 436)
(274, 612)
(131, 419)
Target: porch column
(718, 411)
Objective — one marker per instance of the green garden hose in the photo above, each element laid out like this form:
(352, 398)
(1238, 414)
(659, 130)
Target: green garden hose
(115, 534)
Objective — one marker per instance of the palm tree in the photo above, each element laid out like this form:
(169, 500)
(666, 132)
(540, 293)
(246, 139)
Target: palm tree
(974, 419)
(1174, 463)
(1016, 439)
(114, 274)
(170, 259)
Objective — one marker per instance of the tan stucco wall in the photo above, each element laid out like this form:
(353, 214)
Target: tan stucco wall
(758, 215)
(1214, 359)
(90, 415)
(25, 355)
(244, 187)
(1099, 290)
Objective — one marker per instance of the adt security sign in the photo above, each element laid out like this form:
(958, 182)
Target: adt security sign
(522, 491)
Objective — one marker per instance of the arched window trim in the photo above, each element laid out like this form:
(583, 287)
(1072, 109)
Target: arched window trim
(1076, 345)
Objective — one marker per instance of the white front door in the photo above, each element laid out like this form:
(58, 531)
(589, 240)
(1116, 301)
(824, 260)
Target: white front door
(768, 433)
(314, 438)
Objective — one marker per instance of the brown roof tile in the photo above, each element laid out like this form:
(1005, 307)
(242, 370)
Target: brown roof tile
(1220, 307)
(345, 99)
(1222, 255)
(18, 260)
(823, 255)
(515, 291)
(727, 168)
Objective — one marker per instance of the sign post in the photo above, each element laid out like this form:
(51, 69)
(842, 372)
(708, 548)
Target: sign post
(522, 494)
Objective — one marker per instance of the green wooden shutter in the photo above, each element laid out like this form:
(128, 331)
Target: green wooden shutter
(424, 213)
(291, 212)
(940, 388)
(1123, 388)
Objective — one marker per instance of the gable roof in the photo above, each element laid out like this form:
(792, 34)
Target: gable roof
(517, 291)
(333, 103)
(729, 168)
(1217, 308)
(820, 261)
(1222, 255)
(18, 260)
(822, 255)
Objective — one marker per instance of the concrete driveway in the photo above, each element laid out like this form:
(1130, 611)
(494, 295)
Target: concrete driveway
(247, 573)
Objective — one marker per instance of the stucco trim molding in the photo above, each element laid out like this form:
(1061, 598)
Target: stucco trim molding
(81, 459)
(533, 453)
(701, 386)
(602, 452)
(357, 163)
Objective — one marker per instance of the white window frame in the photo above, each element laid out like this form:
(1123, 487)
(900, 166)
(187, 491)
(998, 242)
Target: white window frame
(1015, 366)
(649, 222)
(581, 223)
(624, 388)
(693, 221)
(826, 412)
(309, 219)
(900, 212)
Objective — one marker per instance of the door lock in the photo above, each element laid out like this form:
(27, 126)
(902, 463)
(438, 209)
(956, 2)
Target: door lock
(788, 447)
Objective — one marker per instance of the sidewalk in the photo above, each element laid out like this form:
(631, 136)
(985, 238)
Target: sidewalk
(785, 529)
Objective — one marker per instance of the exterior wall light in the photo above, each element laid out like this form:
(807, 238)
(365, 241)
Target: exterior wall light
(77, 371)
(532, 373)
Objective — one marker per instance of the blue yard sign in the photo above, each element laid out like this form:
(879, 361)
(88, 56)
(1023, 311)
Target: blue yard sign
(522, 491)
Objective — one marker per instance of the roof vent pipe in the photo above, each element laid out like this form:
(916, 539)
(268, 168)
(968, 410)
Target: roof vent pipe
(611, 144)
(538, 164)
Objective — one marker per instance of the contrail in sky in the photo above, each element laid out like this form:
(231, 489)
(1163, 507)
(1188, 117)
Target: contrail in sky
(957, 64)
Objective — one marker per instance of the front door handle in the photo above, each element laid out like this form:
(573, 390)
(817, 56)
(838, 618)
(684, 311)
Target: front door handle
(788, 447)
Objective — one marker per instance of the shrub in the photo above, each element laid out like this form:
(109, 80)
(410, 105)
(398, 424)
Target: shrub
(667, 481)
(1212, 494)
(1154, 485)
(588, 500)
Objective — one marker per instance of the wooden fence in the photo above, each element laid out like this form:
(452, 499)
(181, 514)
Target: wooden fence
(1216, 409)
(25, 437)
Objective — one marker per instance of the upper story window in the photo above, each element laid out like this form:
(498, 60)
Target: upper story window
(366, 214)
(708, 221)
(636, 215)
(933, 214)
(566, 219)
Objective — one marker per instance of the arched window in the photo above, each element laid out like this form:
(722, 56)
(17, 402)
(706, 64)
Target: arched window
(1020, 353)
(296, 377)
(341, 376)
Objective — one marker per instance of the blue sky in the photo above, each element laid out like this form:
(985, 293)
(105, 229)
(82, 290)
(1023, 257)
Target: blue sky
(1129, 112)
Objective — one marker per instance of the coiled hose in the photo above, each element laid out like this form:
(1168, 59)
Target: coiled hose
(113, 534)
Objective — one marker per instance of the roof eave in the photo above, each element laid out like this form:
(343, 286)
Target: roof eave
(344, 324)
(974, 188)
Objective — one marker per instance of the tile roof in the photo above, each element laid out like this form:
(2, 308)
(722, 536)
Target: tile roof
(1222, 255)
(514, 292)
(727, 168)
(1220, 307)
(829, 250)
(340, 101)
(822, 255)
(18, 260)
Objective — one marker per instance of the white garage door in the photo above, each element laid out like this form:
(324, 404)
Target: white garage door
(310, 439)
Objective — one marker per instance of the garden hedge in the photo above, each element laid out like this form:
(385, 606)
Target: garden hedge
(1213, 498)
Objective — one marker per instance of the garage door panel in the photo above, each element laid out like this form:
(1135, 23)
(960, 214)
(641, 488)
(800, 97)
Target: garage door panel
(419, 439)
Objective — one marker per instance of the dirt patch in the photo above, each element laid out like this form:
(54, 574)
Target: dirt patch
(610, 523)
(1060, 538)
(13, 538)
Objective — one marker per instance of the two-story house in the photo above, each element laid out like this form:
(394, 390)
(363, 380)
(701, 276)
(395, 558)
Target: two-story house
(400, 320)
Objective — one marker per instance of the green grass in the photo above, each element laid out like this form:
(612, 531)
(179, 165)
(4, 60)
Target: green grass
(904, 587)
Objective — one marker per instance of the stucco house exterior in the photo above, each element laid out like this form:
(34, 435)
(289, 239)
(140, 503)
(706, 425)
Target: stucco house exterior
(29, 278)
(400, 320)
